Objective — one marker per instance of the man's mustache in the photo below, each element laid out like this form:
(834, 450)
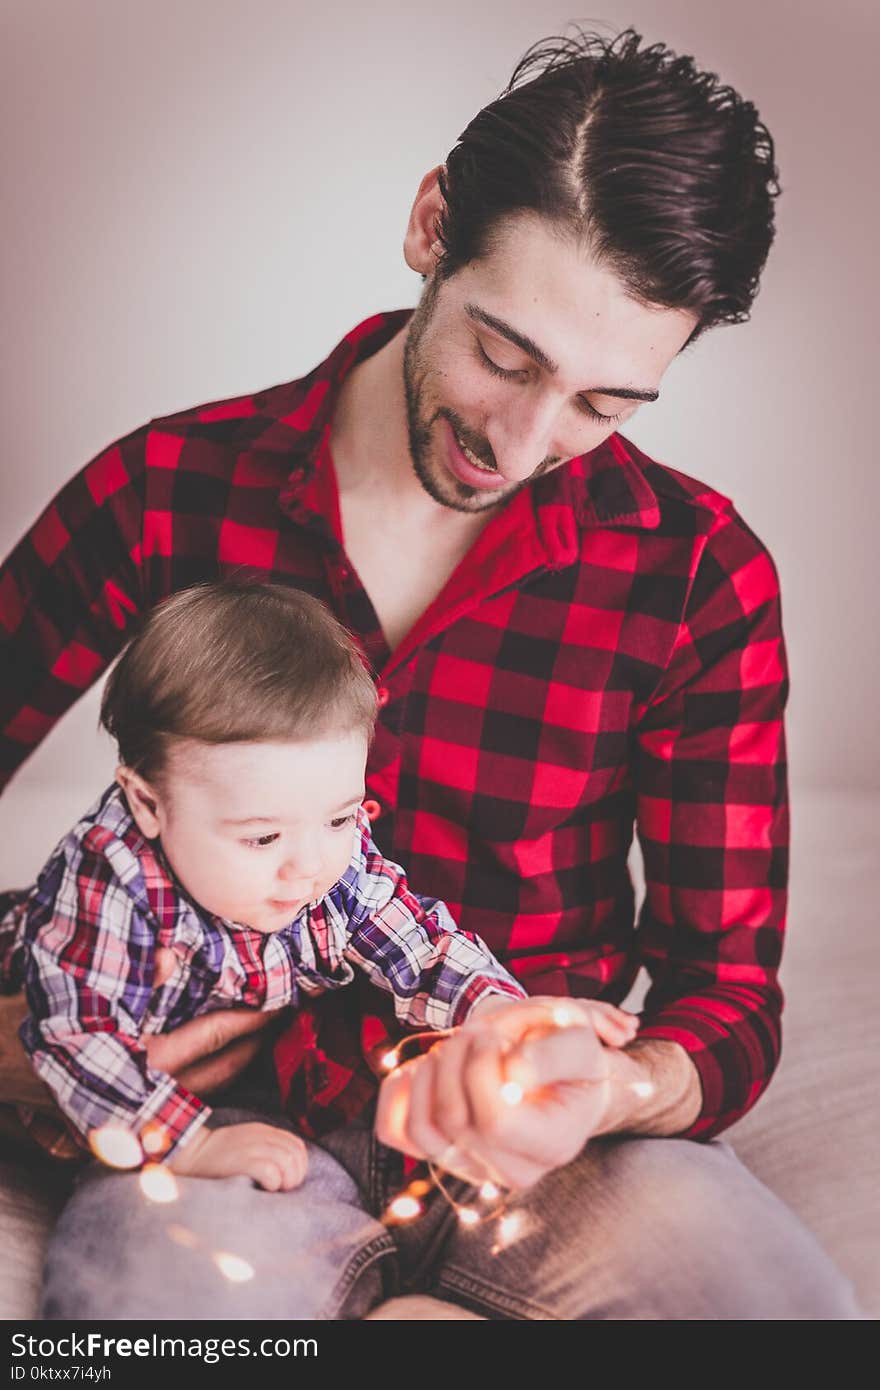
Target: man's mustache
(481, 448)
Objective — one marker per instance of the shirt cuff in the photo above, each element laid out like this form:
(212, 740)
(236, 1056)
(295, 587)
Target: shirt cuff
(480, 987)
(168, 1120)
(735, 1061)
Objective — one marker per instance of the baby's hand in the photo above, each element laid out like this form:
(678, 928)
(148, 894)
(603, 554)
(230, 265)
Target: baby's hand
(274, 1158)
(612, 1026)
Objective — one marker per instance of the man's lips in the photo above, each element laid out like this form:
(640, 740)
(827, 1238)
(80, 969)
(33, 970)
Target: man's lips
(465, 471)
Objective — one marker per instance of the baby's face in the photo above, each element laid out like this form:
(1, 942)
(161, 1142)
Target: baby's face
(256, 831)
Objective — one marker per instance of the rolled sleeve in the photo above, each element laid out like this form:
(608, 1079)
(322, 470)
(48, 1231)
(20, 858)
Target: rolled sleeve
(712, 819)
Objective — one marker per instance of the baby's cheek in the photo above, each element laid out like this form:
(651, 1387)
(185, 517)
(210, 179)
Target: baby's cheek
(338, 865)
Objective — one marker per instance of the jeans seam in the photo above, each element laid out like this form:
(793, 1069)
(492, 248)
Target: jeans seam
(454, 1281)
(368, 1255)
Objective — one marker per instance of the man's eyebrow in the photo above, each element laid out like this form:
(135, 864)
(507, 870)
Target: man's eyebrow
(528, 345)
(531, 349)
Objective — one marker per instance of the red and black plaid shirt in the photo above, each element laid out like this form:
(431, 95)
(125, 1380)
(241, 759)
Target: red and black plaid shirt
(608, 652)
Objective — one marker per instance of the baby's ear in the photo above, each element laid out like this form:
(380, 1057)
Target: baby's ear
(143, 801)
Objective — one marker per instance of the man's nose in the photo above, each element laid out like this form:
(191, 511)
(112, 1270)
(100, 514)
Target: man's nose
(522, 437)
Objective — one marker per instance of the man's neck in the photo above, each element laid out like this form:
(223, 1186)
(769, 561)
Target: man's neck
(369, 441)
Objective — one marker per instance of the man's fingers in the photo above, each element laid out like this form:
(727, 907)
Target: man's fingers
(451, 1112)
(201, 1037)
(563, 1055)
(483, 1081)
(213, 1074)
(165, 965)
(418, 1132)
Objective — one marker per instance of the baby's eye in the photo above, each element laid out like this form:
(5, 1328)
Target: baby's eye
(261, 841)
(340, 821)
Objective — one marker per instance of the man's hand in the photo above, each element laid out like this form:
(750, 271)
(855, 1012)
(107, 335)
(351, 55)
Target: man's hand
(206, 1054)
(274, 1158)
(549, 1056)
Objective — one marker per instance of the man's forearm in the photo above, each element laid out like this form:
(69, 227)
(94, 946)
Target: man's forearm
(655, 1090)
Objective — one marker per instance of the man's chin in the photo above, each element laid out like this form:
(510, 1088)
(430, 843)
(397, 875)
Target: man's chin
(457, 496)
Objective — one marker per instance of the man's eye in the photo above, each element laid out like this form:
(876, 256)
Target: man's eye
(261, 841)
(595, 414)
(505, 373)
(340, 821)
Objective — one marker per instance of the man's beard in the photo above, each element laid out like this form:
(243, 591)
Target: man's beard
(455, 495)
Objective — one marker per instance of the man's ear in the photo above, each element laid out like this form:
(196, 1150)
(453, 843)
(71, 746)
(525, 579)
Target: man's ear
(143, 800)
(421, 247)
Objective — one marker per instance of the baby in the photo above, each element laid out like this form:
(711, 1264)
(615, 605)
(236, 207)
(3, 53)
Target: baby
(233, 837)
(234, 843)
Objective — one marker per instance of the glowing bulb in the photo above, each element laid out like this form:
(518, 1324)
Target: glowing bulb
(404, 1208)
(489, 1192)
(116, 1147)
(236, 1270)
(158, 1183)
(389, 1061)
(468, 1216)
(181, 1235)
(155, 1139)
(508, 1227)
(511, 1093)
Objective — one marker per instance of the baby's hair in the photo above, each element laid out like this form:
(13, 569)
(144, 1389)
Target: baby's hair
(233, 661)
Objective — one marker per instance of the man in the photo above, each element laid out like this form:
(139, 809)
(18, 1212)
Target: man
(567, 637)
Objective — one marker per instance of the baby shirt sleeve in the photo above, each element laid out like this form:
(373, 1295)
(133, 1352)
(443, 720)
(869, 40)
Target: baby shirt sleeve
(90, 949)
(410, 947)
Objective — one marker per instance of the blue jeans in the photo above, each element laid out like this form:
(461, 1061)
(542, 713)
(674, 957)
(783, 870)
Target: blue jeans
(632, 1229)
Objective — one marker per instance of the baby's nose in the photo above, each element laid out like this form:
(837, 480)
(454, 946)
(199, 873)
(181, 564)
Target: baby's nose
(301, 869)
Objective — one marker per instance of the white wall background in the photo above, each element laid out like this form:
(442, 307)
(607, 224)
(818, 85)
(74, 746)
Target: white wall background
(201, 196)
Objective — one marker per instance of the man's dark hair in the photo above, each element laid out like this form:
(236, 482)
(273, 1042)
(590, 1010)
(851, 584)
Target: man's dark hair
(236, 660)
(666, 175)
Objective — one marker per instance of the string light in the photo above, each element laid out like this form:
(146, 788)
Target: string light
(182, 1235)
(115, 1146)
(155, 1139)
(510, 1226)
(404, 1208)
(158, 1183)
(233, 1267)
(407, 1206)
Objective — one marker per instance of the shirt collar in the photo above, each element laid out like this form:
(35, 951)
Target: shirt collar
(605, 487)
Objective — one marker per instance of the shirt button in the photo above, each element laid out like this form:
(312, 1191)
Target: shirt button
(372, 809)
(383, 696)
